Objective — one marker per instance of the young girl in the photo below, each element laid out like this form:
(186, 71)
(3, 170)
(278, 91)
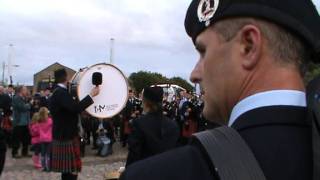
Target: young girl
(45, 129)
(35, 140)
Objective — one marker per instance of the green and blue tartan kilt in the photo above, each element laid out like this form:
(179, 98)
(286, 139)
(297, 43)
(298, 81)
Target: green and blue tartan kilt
(65, 157)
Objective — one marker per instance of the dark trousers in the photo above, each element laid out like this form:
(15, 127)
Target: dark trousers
(3, 149)
(2, 159)
(20, 136)
(8, 137)
(94, 137)
(45, 155)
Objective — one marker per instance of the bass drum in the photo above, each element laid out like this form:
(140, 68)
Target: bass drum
(113, 94)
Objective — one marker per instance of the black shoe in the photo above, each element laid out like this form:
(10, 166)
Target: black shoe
(46, 170)
(94, 148)
(16, 157)
(26, 155)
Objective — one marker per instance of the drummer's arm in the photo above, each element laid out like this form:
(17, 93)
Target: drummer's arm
(72, 105)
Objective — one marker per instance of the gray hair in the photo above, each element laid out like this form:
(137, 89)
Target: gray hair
(284, 45)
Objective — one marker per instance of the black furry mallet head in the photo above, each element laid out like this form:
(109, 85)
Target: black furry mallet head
(97, 78)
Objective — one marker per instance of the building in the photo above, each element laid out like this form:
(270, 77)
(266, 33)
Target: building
(45, 78)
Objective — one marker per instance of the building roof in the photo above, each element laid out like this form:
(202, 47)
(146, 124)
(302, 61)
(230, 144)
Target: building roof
(54, 64)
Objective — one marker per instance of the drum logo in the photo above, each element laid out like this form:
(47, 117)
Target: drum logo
(103, 108)
(206, 10)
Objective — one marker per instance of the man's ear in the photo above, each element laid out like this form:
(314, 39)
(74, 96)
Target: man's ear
(251, 46)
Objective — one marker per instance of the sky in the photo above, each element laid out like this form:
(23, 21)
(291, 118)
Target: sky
(149, 35)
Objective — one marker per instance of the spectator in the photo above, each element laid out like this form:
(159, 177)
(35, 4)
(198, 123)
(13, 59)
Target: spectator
(45, 129)
(5, 110)
(21, 118)
(35, 140)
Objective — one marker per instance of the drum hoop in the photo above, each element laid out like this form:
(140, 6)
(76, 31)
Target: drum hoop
(125, 78)
(83, 70)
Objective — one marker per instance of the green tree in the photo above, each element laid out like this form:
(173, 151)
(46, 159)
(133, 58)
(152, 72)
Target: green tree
(313, 70)
(142, 79)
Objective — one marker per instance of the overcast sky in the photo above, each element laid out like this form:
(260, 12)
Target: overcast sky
(149, 35)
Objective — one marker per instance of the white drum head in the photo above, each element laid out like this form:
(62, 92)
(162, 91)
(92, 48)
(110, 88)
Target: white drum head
(113, 91)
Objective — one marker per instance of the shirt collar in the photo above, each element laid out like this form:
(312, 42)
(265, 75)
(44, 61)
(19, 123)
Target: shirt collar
(268, 98)
(62, 85)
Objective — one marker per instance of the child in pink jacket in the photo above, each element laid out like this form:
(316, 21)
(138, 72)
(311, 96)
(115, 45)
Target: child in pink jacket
(45, 131)
(35, 140)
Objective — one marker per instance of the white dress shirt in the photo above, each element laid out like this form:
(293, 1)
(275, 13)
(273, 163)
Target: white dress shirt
(268, 98)
(62, 85)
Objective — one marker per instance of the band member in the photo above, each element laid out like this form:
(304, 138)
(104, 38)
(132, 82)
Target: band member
(65, 112)
(11, 91)
(5, 103)
(188, 112)
(153, 133)
(5, 117)
(128, 113)
(106, 137)
(250, 68)
(169, 108)
(44, 99)
(5, 131)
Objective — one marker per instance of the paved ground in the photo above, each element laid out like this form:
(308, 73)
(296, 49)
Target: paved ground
(94, 168)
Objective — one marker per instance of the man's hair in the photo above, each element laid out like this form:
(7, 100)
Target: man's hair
(284, 45)
(19, 89)
(154, 107)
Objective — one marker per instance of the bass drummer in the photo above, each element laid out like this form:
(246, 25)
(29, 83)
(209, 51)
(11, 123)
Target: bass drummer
(65, 110)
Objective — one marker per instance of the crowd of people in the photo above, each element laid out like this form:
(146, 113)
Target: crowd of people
(185, 108)
(27, 124)
(24, 120)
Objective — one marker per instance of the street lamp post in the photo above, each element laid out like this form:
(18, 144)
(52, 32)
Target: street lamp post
(111, 50)
(3, 69)
(4, 66)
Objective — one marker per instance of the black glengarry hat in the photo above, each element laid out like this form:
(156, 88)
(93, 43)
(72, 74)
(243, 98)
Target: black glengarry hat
(297, 16)
(60, 75)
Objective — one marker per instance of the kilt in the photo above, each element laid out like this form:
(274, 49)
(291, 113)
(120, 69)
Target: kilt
(65, 157)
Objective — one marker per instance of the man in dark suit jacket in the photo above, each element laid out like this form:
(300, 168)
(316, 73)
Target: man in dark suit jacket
(44, 99)
(153, 133)
(5, 104)
(65, 114)
(249, 70)
(128, 114)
